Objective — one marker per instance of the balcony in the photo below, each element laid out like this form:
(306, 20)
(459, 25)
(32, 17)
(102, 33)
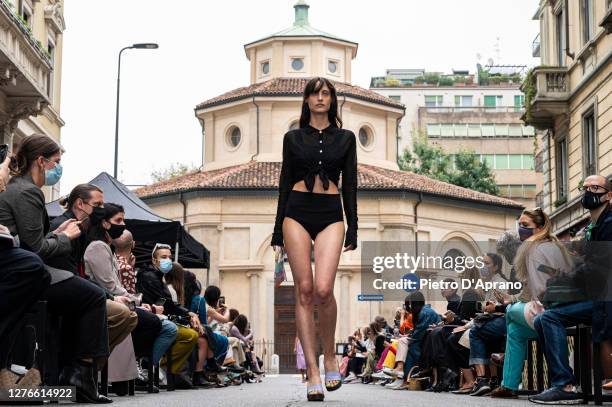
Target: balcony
(547, 92)
(25, 69)
(535, 47)
(606, 22)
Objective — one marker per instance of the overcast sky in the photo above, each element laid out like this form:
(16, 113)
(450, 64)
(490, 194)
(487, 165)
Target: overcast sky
(201, 55)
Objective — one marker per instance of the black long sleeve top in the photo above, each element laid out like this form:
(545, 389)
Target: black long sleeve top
(308, 152)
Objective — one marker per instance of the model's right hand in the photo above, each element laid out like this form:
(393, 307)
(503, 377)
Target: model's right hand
(277, 249)
(71, 228)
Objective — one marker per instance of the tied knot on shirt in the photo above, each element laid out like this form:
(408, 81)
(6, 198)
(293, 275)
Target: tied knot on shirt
(309, 178)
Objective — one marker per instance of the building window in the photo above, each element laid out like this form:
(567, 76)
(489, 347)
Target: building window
(493, 101)
(561, 167)
(589, 143)
(265, 67)
(332, 66)
(560, 37)
(233, 137)
(297, 64)
(433, 130)
(397, 98)
(474, 130)
(365, 136)
(51, 81)
(519, 102)
(517, 191)
(463, 101)
(294, 125)
(586, 19)
(433, 101)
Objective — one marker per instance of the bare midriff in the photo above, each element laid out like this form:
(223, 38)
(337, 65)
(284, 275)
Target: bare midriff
(318, 187)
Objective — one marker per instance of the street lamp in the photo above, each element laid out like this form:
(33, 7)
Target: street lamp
(137, 46)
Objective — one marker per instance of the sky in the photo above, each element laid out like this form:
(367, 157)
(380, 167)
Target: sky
(201, 55)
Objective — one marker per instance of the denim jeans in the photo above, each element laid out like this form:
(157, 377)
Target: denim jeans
(519, 334)
(550, 327)
(483, 337)
(164, 340)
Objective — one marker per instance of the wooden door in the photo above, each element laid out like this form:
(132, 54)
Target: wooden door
(285, 329)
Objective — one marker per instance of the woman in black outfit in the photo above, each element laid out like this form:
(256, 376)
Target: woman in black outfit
(310, 209)
(80, 303)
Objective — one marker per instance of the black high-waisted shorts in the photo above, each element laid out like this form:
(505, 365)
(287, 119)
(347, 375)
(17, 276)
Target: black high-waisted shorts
(314, 211)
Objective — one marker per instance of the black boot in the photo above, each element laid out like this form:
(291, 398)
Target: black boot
(213, 367)
(82, 377)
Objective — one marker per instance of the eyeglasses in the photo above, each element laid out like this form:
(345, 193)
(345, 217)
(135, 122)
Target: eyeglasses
(591, 188)
(160, 246)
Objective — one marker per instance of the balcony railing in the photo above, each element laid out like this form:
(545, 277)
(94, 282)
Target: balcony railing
(535, 47)
(547, 93)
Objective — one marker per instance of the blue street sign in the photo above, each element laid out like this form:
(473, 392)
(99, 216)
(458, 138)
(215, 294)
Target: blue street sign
(370, 297)
(415, 279)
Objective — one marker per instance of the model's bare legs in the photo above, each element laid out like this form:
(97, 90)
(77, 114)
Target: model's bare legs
(297, 244)
(327, 249)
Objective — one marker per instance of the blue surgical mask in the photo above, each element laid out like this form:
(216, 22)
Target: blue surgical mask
(484, 272)
(165, 265)
(53, 175)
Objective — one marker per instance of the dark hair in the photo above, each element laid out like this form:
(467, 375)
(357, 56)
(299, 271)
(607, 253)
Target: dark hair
(176, 277)
(96, 231)
(241, 323)
(82, 191)
(417, 302)
(30, 148)
(233, 313)
(374, 327)
(212, 295)
(497, 260)
(314, 85)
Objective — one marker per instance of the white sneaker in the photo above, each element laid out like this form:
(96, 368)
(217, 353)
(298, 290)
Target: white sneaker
(389, 372)
(380, 375)
(395, 384)
(350, 378)
(162, 377)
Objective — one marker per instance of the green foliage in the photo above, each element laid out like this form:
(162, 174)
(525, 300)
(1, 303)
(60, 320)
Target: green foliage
(433, 162)
(529, 89)
(431, 78)
(419, 80)
(174, 170)
(446, 81)
(392, 82)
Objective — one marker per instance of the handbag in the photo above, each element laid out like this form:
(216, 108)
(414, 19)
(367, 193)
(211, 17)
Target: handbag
(279, 267)
(416, 384)
(563, 290)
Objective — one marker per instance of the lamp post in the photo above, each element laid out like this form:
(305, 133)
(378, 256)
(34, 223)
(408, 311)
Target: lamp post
(137, 46)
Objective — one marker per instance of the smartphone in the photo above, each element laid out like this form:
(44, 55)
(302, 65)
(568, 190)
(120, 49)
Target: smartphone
(221, 301)
(132, 305)
(3, 152)
(160, 302)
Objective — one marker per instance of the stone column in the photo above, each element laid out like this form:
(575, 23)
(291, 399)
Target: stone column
(344, 309)
(254, 301)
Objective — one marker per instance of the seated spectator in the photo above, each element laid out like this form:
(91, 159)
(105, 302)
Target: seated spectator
(409, 347)
(126, 260)
(22, 281)
(451, 296)
(357, 353)
(22, 210)
(539, 258)
(592, 279)
(150, 282)
(84, 204)
(240, 330)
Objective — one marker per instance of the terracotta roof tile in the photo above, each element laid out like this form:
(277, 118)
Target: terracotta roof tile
(295, 87)
(265, 175)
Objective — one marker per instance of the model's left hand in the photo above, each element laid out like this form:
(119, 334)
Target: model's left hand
(348, 248)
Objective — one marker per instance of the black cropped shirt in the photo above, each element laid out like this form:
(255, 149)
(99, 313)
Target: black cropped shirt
(308, 152)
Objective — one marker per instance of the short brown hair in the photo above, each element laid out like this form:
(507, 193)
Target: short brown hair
(30, 148)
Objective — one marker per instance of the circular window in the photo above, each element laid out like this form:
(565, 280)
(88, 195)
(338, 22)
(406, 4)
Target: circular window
(265, 68)
(297, 64)
(234, 136)
(294, 125)
(365, 137)
(332, 66)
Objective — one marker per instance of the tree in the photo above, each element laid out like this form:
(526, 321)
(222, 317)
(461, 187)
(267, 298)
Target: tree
(174, 170)
(433, 162)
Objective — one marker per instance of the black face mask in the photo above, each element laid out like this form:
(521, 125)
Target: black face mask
(97, 215)
(592, 200)
(115, 231)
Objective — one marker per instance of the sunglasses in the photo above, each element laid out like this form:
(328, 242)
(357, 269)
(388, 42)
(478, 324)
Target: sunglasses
(160, 246)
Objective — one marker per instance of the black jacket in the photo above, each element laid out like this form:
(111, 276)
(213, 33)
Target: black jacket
(593, 274)
(192, 287)
(150, 283)
(69, 262)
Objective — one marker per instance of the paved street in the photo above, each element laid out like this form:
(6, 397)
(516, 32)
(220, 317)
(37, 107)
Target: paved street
(286, 390)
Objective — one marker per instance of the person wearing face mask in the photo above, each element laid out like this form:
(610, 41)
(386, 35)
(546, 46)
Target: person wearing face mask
(22, 211)
(85, 203)
(592, 277)
(151, 283)
(539, 258)
(101, 267)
